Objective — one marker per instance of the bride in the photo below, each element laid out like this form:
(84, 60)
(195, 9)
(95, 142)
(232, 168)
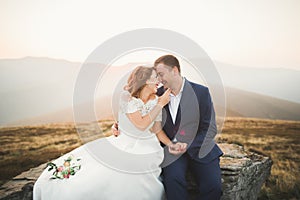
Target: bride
(123, 167)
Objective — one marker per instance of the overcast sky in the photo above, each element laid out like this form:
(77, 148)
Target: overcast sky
(254, 33)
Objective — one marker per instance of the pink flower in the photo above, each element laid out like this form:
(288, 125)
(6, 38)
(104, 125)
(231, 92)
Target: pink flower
(66, 175)
(65, 170)
(60, 169)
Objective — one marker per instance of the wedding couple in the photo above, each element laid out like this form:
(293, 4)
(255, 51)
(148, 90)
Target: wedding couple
(179, 115)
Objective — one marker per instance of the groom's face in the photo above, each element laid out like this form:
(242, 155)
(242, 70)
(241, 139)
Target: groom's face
(165, 75)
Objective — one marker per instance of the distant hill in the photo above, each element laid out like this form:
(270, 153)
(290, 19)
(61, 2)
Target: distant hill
(248, 104)
(102, 111)
(41, 90)
(239, 104)
(32, 87)
(276, 82)
(35, 86)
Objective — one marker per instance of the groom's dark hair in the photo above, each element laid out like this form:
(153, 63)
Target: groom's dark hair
(168, 60)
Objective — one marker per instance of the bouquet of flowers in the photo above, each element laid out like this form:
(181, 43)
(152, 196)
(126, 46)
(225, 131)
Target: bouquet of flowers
(69, 167)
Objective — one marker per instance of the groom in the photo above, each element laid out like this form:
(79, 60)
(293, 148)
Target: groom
(189, 117)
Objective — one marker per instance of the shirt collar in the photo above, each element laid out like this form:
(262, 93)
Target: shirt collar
(181, 89)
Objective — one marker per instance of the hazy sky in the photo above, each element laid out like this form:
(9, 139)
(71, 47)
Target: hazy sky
(247, 33)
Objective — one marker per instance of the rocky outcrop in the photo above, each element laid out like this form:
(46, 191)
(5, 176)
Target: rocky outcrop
(20, 187)
(243, 174)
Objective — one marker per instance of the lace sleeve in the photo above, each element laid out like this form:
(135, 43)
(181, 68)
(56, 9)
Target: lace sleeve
(129, 104)
(159, 117)
(133, 105)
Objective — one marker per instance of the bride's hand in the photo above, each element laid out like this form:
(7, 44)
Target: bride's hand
(178, 148)
(165, 98)
(182, 147)
(115, 130)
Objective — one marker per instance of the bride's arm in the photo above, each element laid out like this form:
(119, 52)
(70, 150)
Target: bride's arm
(160, 134)
(142, 122)
(175, 149)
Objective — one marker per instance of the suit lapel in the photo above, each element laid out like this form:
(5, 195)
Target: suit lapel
(185, 95)
(187, 118)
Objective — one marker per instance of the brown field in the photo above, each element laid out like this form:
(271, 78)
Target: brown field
(277, 139)
(24, 147)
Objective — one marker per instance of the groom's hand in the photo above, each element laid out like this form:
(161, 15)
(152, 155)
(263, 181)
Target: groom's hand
(182, 146)
(177, 148)
(115, 129)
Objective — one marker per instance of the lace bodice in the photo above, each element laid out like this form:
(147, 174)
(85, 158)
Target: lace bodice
(130, 104)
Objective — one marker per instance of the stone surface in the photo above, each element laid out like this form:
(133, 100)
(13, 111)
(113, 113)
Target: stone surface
(20, 187)
(243, 174)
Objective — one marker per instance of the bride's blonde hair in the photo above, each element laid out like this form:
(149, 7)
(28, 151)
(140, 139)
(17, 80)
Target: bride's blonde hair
(137, 80)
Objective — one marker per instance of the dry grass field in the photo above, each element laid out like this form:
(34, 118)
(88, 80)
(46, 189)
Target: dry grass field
(277, 139)
(28, 146)
(24, 147)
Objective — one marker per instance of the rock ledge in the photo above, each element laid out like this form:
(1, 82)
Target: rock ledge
(243, 174)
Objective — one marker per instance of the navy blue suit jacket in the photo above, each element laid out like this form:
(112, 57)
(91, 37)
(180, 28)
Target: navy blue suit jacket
(195, 124)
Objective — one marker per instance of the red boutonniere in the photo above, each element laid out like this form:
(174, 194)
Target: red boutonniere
(182, 132)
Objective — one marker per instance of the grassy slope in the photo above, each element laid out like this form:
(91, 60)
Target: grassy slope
(28, 146)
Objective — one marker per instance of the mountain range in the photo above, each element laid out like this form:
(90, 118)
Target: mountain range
(40, 90)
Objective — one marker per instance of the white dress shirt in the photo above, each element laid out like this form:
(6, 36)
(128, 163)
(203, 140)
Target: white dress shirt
(174, 102)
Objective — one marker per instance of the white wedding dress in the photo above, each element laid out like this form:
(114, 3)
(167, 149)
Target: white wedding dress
(123, 167)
